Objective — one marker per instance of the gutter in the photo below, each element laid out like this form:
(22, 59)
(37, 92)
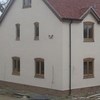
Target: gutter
(70, 57)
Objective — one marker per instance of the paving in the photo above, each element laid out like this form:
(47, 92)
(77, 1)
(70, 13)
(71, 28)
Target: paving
(10, 94)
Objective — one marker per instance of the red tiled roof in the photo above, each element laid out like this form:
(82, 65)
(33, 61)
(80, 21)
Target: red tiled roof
(68, 9)
(73, 9)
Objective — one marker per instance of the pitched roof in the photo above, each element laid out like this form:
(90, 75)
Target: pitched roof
(68, 9)
(74, 9)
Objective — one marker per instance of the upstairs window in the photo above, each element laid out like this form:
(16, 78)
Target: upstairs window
(16, 65)
(88, 65)
(39, 68)
(17, 32)
(36, 28)
(26, 3)
(88, 32)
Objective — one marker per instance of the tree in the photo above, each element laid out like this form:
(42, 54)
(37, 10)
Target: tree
(3, 4)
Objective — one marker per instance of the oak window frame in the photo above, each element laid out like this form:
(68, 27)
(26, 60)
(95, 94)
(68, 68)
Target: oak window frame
(39, 68)
(88, 32)
(15, 65)
(88, 68)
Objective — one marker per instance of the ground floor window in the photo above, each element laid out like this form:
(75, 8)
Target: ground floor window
(16, 65)
(88, 68)
(39, 67)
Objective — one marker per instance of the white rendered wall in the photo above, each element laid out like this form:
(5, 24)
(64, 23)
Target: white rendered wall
(80, 50)
(28, 49)
(54, 51)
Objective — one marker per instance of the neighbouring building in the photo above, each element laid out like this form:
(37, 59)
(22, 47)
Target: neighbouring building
(52, 44)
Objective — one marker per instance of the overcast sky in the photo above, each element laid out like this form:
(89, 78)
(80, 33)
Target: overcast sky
(3, 0)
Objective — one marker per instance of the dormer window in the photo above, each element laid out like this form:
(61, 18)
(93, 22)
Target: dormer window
(26, 3)
(88, 32)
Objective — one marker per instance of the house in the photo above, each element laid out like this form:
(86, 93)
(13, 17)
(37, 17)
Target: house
(53, 44)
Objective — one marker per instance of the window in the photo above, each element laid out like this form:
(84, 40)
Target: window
(39, 68)
(88, 65)
(88, 31)
(17, 32)
(36, 28)
(16, 65)
(26, 3)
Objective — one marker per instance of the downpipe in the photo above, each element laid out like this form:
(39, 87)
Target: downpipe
(70, 59)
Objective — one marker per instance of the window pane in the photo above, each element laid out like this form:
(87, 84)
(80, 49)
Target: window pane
(14, 64)
(37, 67)
(42, 67)
(18, 67)
(91, 32)
(85, 68)
(90, 67)
(88, 30)
(85, 31)
(17, 31)
(36, 29)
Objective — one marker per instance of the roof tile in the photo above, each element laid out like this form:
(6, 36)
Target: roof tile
(74, 9)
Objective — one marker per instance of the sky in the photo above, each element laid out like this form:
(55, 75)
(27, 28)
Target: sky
(3, 0)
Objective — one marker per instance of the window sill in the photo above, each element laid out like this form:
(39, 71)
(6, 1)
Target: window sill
(88, 40)
(16, 73)
(88, 76)
(39, 76)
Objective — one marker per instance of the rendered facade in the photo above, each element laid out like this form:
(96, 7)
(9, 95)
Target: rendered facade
(50, 44)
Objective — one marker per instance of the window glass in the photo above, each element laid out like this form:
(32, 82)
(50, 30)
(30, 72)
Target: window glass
(88, 31)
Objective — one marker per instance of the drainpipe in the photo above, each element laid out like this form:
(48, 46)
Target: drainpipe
(70, 61)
